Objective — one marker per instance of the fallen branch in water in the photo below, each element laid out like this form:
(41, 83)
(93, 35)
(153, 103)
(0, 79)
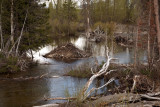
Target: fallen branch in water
(31, 78)
(26, 78)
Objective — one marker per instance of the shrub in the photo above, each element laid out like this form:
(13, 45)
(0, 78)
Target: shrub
(8, 64)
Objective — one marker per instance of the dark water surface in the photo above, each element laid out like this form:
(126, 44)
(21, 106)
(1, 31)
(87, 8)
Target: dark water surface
(26, 93)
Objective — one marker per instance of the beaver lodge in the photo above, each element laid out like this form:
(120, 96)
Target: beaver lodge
(66, 52)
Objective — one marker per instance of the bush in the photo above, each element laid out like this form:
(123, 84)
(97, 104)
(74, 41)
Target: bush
(8, 64)
(12, 64)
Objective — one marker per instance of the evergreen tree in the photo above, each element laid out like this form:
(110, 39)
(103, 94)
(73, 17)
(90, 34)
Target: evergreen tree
(35, 28)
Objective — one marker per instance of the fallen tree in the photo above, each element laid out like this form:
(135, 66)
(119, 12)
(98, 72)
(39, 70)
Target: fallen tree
(103, 71)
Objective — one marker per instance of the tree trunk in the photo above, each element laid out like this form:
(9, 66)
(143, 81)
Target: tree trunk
(149, 38)
(136, 48)
(86, 4)
(19, 40)
(12, 26)
(88, 14)
(2, 44)
(156, 10)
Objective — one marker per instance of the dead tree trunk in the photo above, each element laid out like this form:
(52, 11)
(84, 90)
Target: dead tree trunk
(156, 10)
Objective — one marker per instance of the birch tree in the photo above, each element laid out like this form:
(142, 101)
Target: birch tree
(12, 22)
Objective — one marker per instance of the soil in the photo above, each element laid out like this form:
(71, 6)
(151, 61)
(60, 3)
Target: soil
(67, 52)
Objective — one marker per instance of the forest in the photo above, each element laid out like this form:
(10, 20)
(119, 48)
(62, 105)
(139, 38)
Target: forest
(79, 53)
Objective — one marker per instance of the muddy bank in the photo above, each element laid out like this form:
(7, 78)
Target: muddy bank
(66, 52)
(122, 99)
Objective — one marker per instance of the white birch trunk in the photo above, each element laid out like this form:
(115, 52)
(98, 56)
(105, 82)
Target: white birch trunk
(19, 40)
(12, 26)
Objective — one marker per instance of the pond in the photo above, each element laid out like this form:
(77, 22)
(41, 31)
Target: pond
(26, 93)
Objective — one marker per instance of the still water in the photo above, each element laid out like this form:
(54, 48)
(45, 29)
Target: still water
(26, 93)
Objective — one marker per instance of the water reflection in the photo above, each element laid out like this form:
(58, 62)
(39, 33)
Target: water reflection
(31, 92)
(125, 55)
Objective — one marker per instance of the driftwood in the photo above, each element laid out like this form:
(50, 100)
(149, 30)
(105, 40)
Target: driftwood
(151, 96)
(103, 71)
